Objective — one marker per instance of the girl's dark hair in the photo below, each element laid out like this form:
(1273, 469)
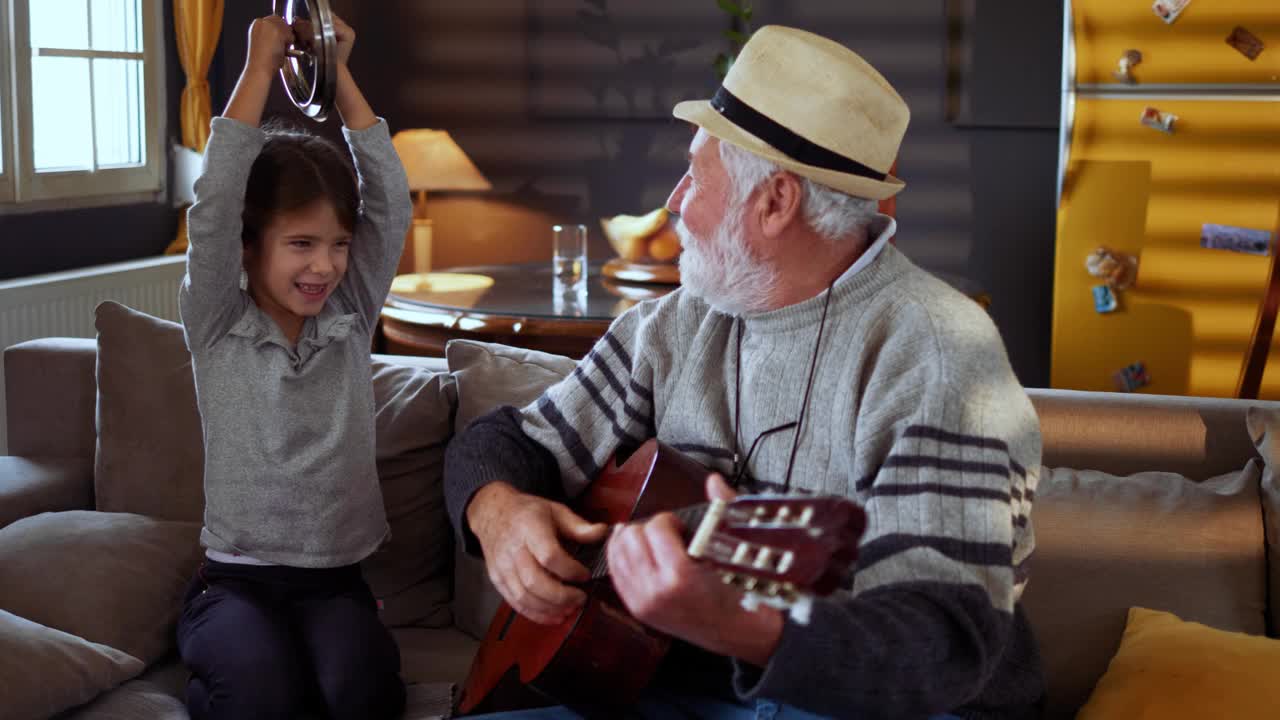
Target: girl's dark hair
(295, 169)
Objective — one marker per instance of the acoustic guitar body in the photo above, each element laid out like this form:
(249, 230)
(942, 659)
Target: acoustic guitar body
(601, 657)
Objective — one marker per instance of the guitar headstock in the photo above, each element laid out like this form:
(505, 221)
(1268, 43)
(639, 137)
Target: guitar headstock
(781, 549)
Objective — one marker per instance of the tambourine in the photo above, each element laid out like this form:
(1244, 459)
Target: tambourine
(310, 72)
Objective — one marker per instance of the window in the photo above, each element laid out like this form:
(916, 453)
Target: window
(83, 115)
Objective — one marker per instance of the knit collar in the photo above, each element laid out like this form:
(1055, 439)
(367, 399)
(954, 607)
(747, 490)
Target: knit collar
(883, 228)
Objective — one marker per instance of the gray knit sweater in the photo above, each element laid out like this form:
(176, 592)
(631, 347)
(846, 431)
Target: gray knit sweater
(289, 475)
(915, 414)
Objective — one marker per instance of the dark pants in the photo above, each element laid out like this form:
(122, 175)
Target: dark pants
(278, 642)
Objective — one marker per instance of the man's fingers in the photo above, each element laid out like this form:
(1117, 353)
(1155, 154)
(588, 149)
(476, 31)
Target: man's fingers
(629, 550)
(539, 583)
(718, 489)
(551, 555)
(508, 582)
(574, 527)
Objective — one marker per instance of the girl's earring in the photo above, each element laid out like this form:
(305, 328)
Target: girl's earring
(244, 279)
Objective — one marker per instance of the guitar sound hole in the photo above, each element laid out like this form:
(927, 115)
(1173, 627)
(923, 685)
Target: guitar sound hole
(506, 626)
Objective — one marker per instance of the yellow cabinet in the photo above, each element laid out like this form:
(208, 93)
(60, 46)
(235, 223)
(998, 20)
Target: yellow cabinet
(1135, 189)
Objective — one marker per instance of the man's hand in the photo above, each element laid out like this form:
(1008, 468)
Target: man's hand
(666, 589)
(520, 536)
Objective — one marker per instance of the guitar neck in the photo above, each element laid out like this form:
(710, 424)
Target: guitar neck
(596, 559)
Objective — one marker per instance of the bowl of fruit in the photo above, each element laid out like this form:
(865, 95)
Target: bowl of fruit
(647, 245)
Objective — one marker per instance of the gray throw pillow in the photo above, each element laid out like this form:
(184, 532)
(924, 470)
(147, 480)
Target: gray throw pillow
(44, 671)
(150, 457)
(1156, 540)
(413, 423)
(110, 578)
(489, 375)
(151, 454)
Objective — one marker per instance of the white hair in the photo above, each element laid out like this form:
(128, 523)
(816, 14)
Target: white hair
(832, 214)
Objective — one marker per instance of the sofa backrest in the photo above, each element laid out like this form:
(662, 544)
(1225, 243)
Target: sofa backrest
(1147, 501)
(51, 394)
(1121, 433)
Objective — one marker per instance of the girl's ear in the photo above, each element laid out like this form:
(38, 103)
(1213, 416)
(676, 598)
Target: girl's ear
(249, 258)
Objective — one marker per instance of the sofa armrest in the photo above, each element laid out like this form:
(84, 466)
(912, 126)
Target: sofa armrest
(30, 486)
(51, 392)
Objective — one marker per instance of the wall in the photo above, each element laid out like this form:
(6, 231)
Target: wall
(41, 242)
(568, 128)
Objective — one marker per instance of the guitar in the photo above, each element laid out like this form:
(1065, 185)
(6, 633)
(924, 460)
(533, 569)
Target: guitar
(780, 550)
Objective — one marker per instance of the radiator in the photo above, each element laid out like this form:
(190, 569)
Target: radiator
(61, 304)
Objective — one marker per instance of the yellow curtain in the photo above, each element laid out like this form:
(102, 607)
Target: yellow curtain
(197, 25)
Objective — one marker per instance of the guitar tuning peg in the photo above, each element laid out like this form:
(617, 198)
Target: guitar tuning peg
(728, 578)
(784, 563)
(762, 558)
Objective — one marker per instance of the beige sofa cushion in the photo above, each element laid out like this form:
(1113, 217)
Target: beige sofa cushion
(44, 671)
(490, 375)
(1156, 540)
(110, 578)
(151, 456)
(1264, 428)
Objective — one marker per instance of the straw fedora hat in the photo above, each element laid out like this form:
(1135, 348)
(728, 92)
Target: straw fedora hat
(813, 107)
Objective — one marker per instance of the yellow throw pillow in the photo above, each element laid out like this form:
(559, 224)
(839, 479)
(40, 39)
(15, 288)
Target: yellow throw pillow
(1168, 668)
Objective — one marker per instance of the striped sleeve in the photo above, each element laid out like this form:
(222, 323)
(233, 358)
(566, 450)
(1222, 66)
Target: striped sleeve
(607, 404)
(945, 465)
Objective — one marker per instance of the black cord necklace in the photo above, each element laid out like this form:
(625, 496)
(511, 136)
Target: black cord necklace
(739, 470)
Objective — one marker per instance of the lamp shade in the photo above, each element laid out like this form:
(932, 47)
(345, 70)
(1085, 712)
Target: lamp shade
(433, 161)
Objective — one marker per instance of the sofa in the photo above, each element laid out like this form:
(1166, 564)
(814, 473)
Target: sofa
(1166, 503)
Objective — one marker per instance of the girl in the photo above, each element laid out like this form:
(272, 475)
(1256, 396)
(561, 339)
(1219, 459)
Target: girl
(279, 618)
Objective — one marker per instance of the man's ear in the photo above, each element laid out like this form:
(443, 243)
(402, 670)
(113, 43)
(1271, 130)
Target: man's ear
(779, 203)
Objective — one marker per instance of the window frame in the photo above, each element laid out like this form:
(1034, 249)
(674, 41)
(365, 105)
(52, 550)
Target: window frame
(92, 186)
(7, 119)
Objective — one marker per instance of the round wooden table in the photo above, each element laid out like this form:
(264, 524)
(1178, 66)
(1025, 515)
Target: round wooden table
(509, 304)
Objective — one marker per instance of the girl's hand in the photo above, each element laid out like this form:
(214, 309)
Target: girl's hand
(352, 106)
(346, 39)
(269, 37)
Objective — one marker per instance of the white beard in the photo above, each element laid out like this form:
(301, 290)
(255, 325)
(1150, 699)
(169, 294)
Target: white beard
(723, 271)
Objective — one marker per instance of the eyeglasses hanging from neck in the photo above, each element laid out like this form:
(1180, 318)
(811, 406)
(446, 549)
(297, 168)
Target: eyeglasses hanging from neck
(741, 463)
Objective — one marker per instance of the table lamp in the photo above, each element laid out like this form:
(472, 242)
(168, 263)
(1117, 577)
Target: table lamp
(433, 161)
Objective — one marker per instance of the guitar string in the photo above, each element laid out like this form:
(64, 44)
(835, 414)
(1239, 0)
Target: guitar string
(690, 516)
